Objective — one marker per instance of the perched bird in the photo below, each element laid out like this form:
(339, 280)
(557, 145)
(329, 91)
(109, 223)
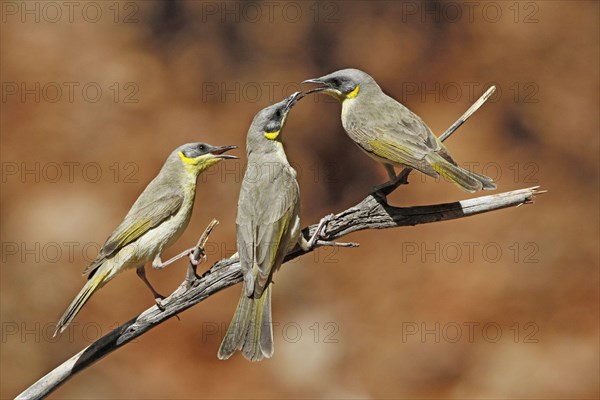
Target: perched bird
(268, 226)
(155, 221)
(390, 133)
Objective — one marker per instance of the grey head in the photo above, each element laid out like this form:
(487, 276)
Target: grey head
(345, 84)
(199, 149)
(196, 157)
(265, 131)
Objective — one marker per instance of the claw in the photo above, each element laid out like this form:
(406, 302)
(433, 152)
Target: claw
(336, 244)
(320, 229)
(193, 260)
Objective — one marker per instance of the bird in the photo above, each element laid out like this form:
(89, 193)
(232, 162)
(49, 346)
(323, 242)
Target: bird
(155, 221)
(268, 226)
(389, 132)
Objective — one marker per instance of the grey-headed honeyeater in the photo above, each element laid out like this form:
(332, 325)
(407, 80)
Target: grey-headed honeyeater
(155, 221)
(390, 133)
(268, 226)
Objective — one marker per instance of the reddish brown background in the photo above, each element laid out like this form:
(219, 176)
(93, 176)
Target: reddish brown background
(541, 129)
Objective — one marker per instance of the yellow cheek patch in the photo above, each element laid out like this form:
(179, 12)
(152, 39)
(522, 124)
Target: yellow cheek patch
(187, 160)
(207, 162)
(272, 135)
(353, 93)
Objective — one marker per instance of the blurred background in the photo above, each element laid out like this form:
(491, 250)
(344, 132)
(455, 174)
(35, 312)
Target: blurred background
(503, 305)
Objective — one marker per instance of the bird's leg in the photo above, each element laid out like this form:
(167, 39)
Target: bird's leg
(395, 180)
(319, 232)
(141, 272)
(389, 168)
(159, 264)
(315, 239)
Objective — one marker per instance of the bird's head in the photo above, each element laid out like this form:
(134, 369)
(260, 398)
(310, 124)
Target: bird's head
(343, 84)
(197, 157)
(269, 122)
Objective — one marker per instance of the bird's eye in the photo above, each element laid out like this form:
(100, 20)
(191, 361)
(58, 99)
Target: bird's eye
(201, 147)
(336, 82)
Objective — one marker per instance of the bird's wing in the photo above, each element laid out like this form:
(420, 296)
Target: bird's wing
(143, 216)
(266, 210)
(397, 134)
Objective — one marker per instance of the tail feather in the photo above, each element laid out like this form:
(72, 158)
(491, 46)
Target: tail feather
(94, 283)
(250, 330)
(486, 181)
(467, 180)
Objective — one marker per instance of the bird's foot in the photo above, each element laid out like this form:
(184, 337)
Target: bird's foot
(320, 243)
(320, 230)
(384, 188)
(315, 240)
(388, 187)
(195, 262)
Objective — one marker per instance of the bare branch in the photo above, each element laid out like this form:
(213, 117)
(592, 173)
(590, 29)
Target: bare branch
(463, 118)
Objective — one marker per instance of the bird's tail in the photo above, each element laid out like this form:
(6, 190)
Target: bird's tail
(250, 330)
(94, 283)
(467, 180)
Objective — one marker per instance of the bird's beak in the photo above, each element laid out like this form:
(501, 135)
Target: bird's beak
(218, 152)
(325, 88)
(316, 81)
(293, 99)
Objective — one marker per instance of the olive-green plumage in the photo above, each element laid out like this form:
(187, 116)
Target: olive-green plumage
(268, 226)
(155, 221)
(390, 133)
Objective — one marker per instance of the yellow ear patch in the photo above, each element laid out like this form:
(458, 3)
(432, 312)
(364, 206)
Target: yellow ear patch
(272, 135)
(186, 160)
(353, 93)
